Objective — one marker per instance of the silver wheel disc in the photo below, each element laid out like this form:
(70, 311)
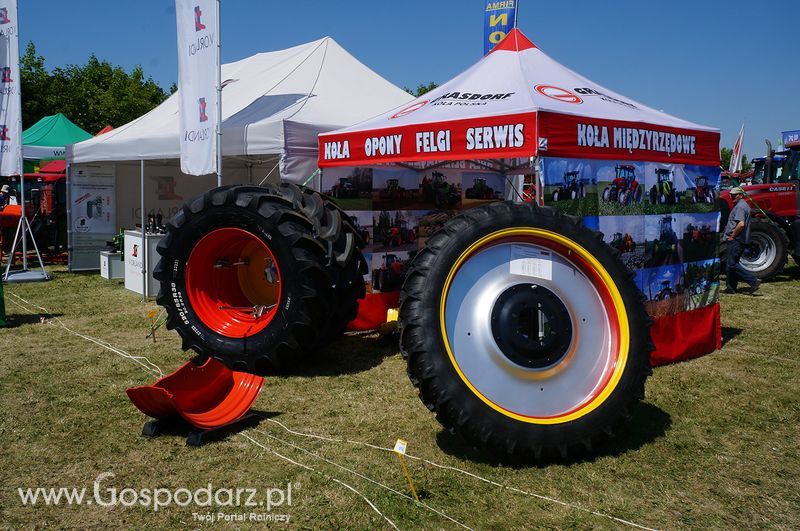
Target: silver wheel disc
(550, 391)
(763, 257)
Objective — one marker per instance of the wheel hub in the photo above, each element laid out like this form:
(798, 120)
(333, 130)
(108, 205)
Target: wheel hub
(531, 326)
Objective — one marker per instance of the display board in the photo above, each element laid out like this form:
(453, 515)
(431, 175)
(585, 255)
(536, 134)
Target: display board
(398, 208)
(664, 221)
(92, 214)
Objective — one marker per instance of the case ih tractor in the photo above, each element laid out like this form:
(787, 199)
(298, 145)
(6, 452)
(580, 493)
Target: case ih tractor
(573, 188)
(480, 190)
(528, 363)
(663, 192)
(624, 188)
(775, 203)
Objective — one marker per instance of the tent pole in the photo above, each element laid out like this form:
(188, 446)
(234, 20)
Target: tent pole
(69, 227)
(22, 206)
(144, 232)
(219, 99)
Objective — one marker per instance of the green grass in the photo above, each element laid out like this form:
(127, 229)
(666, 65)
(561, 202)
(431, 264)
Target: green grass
(715, 445)
(584, 206)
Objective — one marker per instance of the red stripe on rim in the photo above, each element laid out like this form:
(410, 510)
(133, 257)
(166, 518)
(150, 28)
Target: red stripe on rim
(605, 297)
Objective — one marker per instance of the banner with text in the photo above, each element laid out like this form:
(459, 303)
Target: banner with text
(10, 104)
(197, 73)
(92, 214)
(498, 19)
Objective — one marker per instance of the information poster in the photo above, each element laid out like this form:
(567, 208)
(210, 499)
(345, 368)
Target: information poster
(92, 214)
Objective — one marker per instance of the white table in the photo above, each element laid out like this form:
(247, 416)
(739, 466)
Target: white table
(134, 247)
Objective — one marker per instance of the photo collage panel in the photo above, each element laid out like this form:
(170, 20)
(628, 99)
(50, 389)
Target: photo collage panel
(662, 218)
(396, 210)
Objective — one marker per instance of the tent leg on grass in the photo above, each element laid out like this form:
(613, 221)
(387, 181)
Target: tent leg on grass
(144, 234)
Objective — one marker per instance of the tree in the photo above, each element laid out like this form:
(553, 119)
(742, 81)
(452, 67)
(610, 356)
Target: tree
(725, 162)
(92, 95)
(422, 88)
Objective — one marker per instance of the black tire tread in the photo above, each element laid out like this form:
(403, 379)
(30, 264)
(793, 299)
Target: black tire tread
(442, 391)
(310, 257)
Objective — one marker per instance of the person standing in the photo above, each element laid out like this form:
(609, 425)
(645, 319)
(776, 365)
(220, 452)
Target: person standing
(4, 196)
(737, 235)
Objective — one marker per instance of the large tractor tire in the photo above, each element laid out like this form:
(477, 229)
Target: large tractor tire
(248, 274)
(766, 254)
(338, 232)
(524, 332)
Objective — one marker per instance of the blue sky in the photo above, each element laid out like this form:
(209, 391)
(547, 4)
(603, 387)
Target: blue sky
(700, 60)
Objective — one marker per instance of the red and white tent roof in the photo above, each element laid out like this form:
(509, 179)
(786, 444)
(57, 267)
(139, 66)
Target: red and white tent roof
(518, 102)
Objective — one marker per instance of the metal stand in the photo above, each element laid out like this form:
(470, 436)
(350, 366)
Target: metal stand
(24, 275)
(196, 436)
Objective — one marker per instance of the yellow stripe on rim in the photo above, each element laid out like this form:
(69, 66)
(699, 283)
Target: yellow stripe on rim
(616, 297)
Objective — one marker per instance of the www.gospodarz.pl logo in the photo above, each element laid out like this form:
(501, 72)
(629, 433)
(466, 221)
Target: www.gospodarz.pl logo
(158, 498)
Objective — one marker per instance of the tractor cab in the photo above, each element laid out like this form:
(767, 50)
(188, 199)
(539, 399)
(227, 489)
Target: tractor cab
(625, 175)
(665, 225)
(664, 175)
(571, 178)
(393, 184)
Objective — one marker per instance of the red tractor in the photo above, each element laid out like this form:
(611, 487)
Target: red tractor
(775, 230)
(399, 235)
(703, 193)
(389, 277)
(344, 189)
(624, 188)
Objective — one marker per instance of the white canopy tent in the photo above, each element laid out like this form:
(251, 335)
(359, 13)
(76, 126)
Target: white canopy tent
(274, 105)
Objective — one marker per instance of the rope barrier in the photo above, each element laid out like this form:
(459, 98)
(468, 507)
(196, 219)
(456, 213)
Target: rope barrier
(301, 465)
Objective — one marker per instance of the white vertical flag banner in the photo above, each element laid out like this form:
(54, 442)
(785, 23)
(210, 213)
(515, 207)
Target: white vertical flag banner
(736, 156)
(197, 85)
(10, 102)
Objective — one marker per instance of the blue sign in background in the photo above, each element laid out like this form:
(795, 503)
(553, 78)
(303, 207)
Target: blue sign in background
(498, 19)
(791, 136)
